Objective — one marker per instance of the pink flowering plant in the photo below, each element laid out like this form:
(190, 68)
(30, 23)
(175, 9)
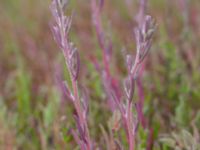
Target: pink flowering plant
(61, 34)
(99, 75)
(120, 98)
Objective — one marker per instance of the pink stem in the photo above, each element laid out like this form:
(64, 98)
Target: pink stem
(130, 127)
(141, 104)
(80, 111)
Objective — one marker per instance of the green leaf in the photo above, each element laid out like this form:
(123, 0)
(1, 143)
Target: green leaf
(168, 141)
(182, 112)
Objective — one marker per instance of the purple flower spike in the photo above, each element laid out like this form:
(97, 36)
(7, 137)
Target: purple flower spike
(60, 31)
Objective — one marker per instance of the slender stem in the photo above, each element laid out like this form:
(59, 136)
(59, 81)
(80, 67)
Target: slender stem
(106, 64)
(150, 139)
(100, 34)
(80, 111)
(141, 104)
(129, 125)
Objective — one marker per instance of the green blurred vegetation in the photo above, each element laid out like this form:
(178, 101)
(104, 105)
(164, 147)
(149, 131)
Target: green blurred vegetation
(33, 114)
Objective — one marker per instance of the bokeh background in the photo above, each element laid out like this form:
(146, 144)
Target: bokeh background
(33, 111)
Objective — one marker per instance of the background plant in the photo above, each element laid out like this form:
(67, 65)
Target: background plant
(29, 56)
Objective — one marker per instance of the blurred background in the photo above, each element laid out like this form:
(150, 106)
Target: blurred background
(35, 115)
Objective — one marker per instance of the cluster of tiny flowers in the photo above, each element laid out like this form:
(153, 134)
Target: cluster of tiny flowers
(121, 100)
(60, 31)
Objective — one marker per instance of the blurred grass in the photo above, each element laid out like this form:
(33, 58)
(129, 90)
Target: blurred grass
(32, 114)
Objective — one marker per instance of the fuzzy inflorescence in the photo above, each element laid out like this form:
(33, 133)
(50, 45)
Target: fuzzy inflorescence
(143, 35)
(121, 99)
(60, 31)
